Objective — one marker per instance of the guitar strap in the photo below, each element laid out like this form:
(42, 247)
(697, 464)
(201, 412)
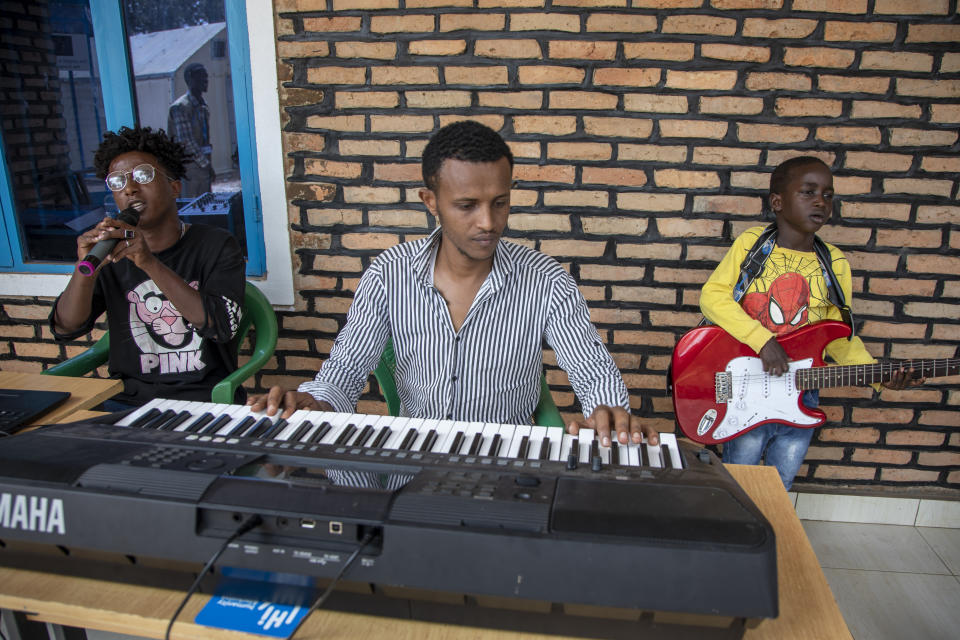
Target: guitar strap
(753, 263)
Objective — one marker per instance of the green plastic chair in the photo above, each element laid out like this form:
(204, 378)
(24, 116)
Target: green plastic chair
(257, 313)
(546, 414)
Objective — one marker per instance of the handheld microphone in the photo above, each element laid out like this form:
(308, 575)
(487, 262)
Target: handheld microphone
(100, 250)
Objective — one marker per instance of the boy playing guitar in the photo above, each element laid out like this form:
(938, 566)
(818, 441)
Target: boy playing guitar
(791, 289)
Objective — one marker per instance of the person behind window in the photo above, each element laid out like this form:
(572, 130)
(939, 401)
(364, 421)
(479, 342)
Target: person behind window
(188, 122)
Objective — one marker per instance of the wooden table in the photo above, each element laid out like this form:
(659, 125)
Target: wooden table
(85, 393)
(807, 607)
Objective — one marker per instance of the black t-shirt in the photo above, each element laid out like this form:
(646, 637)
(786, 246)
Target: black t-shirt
(153, 349)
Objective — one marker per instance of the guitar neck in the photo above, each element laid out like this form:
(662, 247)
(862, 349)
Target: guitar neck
(864, 374)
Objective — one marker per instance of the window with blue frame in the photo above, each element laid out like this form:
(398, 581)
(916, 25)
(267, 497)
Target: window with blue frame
(73, 69)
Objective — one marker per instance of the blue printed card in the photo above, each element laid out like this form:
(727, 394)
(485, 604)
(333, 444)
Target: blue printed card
(264, 608)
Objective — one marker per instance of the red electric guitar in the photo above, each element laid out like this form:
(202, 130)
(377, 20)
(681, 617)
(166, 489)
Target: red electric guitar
(720, 389)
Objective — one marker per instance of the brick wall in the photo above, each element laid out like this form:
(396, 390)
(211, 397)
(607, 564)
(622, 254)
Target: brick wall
(644, 133)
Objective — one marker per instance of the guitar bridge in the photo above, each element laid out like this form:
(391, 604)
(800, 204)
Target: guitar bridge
(723, 382)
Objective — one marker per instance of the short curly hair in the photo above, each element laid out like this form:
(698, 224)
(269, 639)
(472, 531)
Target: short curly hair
(784, 172)
(464, 140)
(170, 153)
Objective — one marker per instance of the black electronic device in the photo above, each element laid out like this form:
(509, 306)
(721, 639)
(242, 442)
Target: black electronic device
(20, 407)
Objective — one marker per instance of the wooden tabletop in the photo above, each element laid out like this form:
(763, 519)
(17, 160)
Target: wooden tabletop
(85, 393)
(808, 610)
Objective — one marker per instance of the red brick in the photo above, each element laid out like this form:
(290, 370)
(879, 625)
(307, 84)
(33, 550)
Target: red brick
(337, 75)
(575, 49)
(649, 251)
(653, 153)
(672, 202)
(938, 88)
(875, 210)
(348, 5)
(437, 47)
(678, 179)
(619, 127)
(511, 99)
(818, 57)
(708, 80)
(337, 123)
(902, 287)
(938, 164)
(933, 33)
(548, 173)
(579, 150)
(614, 176)
(860, 31)
(437, 99)
(383, 74)
(692, 129)
(429, 4)
(835, 472)
(765, 81)
(896, 61)
(831, 6)
(545, 22)
(788, 28)
(398, 218)
(26, 312)
(549, 125)
(404, 124)
(846, 84)
(545, 74)
(366, 99)
(866, 435)
(880, 162)
(739, 205)
(726, 156)
(648, 295)
(694, 24)
(397, 172)
(655, 103)
(807, 107)
(324, 167)
(941, 188)
(579, 198)
(736, 53)
(501, 48)
(725, 104)
(824, 453)
(573, 248)
(908, 475)
(475, 75)
(621, 23)
(375, 50)
(914, 438)
(339, 23)
(626, 78)
(539, 222)
(493, 121)
(909, 238)
(950, 63)
(303, 49)
(881, 456)
(471, 21)
(614, 225)
(611, 272)
(771, 133)
(918, 138)
(582, 100)
(675, 51)
(397, 24)
(371, 194)
(680, 228)
(912, 7)
(849, 135)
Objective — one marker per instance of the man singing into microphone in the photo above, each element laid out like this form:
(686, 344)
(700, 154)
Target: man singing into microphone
(172, 291)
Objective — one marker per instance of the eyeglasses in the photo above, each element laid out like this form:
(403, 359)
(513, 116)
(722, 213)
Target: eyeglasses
(142, 174)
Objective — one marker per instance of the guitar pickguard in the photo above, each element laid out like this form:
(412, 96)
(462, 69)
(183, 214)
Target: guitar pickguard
(754, 397)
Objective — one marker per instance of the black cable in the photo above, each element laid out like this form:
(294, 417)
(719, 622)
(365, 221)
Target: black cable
(250, 523)
(323, 596)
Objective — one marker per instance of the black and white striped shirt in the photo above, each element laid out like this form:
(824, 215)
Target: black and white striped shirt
(490, 369)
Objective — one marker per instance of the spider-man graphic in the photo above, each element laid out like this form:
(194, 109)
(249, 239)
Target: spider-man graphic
(783, 307)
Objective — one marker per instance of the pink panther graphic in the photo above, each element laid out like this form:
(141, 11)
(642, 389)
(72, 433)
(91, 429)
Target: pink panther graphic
(156, 325)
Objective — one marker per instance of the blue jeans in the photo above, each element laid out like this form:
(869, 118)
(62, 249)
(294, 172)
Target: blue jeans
(778, 445)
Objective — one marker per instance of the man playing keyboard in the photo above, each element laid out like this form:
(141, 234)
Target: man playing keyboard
(467, 312)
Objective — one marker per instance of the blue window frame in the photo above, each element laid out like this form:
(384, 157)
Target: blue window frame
(119, 109)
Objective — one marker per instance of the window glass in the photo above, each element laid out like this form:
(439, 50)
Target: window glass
(180, 56)
(53, 120)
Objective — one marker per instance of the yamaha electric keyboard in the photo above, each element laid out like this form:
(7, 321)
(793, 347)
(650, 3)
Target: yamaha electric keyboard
(514, 512)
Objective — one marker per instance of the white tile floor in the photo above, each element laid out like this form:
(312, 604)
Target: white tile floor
(891, 581)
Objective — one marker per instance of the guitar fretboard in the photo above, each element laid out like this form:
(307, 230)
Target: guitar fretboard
(864, 374)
